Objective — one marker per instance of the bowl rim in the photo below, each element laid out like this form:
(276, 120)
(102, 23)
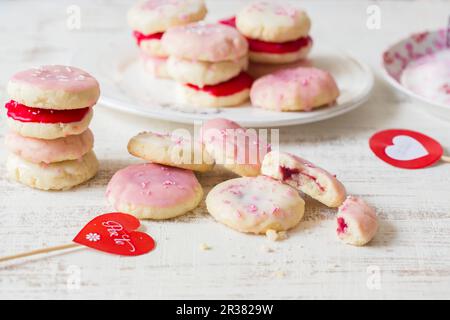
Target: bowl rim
(397, 85)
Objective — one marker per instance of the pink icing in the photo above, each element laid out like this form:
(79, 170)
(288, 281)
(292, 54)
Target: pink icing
(49, 151)
(357, 210)
(152, 185)
(222, 132)
(206, 42)
(57, 77)
(286, 85)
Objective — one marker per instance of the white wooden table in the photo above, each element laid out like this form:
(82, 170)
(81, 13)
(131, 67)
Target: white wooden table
(409, 258)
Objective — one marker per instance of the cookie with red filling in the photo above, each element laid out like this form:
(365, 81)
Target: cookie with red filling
(276, 33)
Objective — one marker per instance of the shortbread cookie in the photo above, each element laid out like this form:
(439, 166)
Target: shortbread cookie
(237, 149)
(356, 222)
(48, 124)
(202, 73)
(205, 42)
(49, 151)
(171, 150)
(155, 66)
(299, 89)
(226, 94)
(255, 205)
(305, 176)
(55, 176)
(154, 16)
(272, 22)
(153, 191)
(54, 87)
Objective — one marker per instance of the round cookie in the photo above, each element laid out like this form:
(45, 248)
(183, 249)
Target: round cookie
(356, 222)
(54, 87)
(171, 150)
(272, 22)
(255, 205)
(201, 73)
(205, 42)
(154, 16)
(51, 130)
(153, 191)
(55, 176)
(49, 151)
(305, 176)
(298, 89)
(237, 149)
(226, 94)
(155, 66)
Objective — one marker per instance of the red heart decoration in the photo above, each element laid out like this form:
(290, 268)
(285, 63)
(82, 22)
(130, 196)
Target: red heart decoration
(405, 148)
(114, 233)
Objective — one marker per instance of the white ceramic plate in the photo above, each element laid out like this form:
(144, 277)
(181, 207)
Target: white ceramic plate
(125, 86)
(400, 54)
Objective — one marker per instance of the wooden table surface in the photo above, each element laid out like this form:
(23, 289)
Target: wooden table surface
(409, 257)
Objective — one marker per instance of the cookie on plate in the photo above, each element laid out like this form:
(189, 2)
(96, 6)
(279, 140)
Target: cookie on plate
(255, 204)
(208, 60)
(171, 150)
(149, 19)
(277, 33)
(298, 89)
(153, 191)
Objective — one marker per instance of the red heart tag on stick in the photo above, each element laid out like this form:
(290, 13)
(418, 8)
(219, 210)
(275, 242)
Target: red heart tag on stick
(115, 233)
(405, 148)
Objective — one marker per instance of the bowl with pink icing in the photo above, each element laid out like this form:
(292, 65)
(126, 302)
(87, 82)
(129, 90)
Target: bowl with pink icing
(420, 67)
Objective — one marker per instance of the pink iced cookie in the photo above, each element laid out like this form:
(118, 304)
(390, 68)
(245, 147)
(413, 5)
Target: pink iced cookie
(304, 176)
(153, 191)
(50, 151)
(356, 222)
(255, 204)
(205, 42)
(236, 148)
(298, 89)
(54, 87)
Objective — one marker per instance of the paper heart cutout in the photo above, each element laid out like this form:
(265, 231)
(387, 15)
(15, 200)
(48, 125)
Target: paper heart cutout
(115, 233)
(405, 148)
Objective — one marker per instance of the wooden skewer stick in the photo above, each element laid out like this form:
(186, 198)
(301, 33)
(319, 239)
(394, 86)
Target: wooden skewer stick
(39, 251)
(445, 159)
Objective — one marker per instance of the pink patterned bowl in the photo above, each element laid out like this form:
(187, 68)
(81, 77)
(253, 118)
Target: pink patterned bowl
(399, 55)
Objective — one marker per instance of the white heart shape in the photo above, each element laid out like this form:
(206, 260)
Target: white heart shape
(405, 148)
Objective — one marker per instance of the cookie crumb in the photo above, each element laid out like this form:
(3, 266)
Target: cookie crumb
(267, 249)
(272, 235)
(205, 247)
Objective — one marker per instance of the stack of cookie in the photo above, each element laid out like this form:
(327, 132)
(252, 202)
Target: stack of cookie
(49, 113)
(149, 19)
(209, 62)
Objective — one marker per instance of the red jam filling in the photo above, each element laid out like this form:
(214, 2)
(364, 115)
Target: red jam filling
(271, 47)
(23, 113)
(287, 174)
(142, 37)
(342, 226)
(241, 82)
